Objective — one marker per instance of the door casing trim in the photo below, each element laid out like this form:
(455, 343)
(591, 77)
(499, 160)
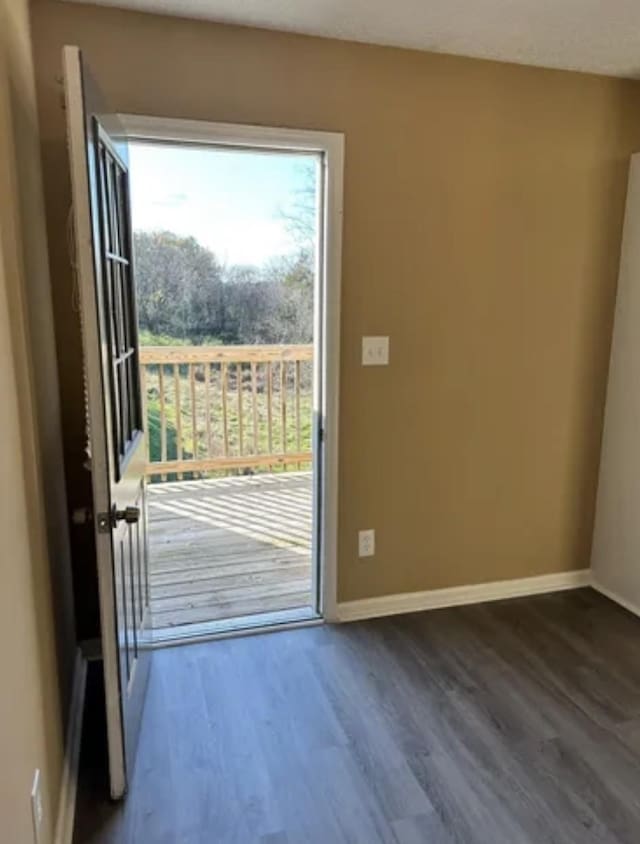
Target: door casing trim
(330, 145)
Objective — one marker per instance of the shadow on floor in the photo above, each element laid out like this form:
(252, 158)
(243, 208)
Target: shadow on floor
(229, 547)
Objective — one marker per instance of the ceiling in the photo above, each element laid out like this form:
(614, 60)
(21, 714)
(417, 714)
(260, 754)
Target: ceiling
(600, 36)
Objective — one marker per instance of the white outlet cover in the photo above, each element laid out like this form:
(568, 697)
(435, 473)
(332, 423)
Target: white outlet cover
(375, 351)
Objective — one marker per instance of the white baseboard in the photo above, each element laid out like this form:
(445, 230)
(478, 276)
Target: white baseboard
(613, 596)
(69, 786)
(459, 595)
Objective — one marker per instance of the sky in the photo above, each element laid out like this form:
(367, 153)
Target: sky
(231, 201)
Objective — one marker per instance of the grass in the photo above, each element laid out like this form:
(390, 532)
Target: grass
(148, 338)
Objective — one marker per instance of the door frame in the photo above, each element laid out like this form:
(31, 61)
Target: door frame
(330, 146)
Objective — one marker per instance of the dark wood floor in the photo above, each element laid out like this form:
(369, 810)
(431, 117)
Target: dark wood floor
(507, 723)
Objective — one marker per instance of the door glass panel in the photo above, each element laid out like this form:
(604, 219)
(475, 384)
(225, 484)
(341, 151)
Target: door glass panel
(116, 256)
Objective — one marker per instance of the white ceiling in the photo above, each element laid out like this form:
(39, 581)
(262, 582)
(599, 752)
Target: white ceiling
(601, 36)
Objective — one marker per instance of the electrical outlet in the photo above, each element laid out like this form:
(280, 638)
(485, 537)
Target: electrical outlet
(375, 351)
(37, 811)
(366, 543)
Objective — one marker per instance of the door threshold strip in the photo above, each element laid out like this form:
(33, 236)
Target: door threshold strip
(248, 625)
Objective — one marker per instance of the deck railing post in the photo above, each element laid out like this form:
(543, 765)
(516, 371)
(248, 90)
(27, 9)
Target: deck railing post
(206, 367)
(178, 388)
(254, 407)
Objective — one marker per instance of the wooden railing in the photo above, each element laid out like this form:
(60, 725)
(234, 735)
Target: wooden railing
(221, 408)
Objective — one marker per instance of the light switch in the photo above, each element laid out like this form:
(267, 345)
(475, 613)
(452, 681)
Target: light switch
(375, 351)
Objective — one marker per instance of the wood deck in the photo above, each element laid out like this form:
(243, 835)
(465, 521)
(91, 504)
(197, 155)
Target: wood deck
(229, 548)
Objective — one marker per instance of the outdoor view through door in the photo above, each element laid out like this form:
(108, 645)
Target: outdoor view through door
(226, 259)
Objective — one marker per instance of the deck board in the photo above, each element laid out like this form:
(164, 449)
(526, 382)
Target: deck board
(231, 547)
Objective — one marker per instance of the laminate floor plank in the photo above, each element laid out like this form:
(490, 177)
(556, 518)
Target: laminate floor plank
(514, 722)
(421, 829)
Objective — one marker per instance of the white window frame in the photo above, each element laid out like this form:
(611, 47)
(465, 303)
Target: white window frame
(330, 145)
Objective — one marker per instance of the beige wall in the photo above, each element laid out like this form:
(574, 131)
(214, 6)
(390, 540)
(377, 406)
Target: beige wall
(36, 624)
(483, 210)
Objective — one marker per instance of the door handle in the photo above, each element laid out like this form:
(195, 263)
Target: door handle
(130, 515)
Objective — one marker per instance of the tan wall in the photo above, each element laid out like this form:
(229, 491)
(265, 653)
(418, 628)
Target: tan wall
(35, 639)
(483, 210)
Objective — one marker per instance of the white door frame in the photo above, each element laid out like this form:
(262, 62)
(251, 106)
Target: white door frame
(330, 145)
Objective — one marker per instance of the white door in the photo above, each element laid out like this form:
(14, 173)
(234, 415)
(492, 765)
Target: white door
(116, 440)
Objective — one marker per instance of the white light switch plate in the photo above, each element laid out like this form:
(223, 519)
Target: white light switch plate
(375, 351)
(366, 543)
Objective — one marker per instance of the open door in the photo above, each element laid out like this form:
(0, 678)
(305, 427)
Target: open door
(115, 435)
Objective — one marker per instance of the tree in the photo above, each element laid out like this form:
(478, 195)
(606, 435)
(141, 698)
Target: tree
(186, 293)
(179, 285)
(301, 217)
(292, 276)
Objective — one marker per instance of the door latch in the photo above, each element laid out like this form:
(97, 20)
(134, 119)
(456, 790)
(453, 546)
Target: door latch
(107, 521)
